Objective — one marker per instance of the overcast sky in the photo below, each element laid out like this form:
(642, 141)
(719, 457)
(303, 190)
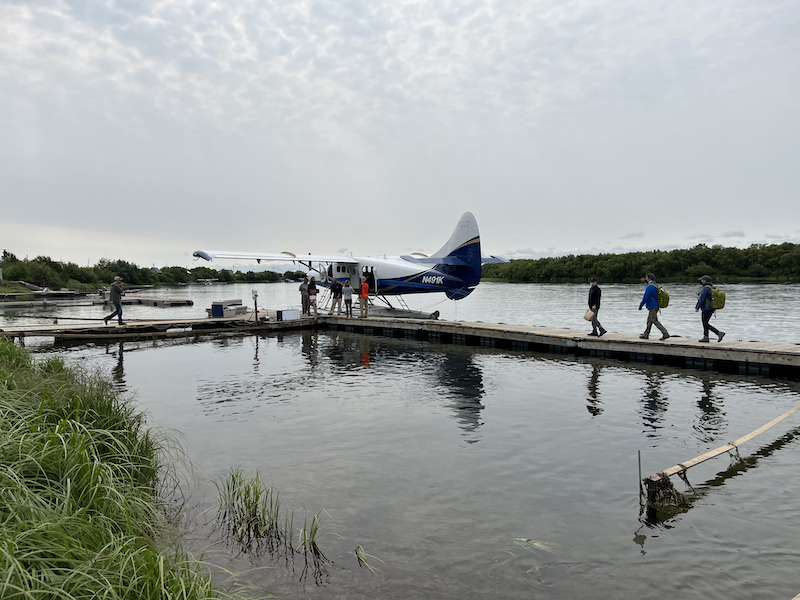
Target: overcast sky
(147, 129)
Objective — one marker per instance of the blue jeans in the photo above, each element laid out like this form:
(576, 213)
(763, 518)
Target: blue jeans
(117, 312)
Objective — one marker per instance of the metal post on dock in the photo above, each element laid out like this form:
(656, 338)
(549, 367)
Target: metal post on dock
(255, 303)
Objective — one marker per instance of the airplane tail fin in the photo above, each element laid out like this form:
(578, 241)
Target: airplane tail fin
(461, 256)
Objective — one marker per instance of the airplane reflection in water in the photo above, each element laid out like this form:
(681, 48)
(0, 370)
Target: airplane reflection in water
(451, 369)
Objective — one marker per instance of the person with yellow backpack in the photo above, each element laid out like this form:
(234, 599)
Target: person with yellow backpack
(654, 298)
(708, 302)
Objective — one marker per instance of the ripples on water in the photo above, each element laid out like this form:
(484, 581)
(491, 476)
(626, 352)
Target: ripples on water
(439, 459)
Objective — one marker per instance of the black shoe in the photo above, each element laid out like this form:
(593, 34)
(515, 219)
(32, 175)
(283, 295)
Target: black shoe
(105, 320)
(594, 333)
(122, 322)
(666, 336)
(720, 335)
(644, 337)
(602, 333)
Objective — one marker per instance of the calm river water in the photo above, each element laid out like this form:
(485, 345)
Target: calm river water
(441, 460)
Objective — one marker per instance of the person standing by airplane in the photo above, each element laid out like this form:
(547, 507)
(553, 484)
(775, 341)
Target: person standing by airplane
(594, 305)
(304, 296)
(116, 299)
(347, 294)
(312, 295)
(336, 295)
(650, 299)
(363, 298)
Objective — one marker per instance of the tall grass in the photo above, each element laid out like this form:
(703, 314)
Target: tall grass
(250, 517)
(79, 482)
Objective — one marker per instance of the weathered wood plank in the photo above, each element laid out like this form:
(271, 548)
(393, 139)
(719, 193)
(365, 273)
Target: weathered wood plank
(722, 449)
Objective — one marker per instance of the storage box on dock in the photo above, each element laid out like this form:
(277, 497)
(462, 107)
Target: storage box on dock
(226, 308)
(289, 314)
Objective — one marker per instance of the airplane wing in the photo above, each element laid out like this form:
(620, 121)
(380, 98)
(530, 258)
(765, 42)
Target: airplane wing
(271, 256)
(491, 259)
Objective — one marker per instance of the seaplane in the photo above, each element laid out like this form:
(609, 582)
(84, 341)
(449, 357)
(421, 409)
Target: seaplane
(455, 269)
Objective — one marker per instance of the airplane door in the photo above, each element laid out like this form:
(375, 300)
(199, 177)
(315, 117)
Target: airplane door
(355, 280)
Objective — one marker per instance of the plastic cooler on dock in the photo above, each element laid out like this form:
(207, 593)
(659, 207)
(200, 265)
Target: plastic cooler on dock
(289, 314)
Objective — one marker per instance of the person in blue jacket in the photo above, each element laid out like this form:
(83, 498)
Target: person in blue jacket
(650, 300)
(704, 304)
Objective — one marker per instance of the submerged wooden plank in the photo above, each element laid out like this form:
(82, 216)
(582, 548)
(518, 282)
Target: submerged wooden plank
(722, 449)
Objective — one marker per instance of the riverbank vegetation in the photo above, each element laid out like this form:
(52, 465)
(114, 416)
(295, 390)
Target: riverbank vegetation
(45, 272)
(253, 521)
(775, 263)
(80, 509)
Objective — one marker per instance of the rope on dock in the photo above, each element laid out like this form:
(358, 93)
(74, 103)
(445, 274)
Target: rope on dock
(659, 487)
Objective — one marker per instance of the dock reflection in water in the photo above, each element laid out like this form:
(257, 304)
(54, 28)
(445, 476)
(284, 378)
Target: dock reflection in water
(363, 427)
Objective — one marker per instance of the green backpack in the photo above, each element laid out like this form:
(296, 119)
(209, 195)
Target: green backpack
(663, 296)
(717, 299)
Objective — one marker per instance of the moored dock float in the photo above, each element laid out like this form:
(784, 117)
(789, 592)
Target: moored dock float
(730, 356)
(153, 329)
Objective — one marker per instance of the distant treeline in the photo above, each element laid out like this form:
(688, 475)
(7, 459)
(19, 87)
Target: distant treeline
(759, 262)
(44, 272)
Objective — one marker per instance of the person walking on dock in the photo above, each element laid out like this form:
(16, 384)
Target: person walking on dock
(650, 299)
(116, 299)
(363, 298)
(304, 296)
(336, 295)
(594, 306)
(347, 294)
(704, 304)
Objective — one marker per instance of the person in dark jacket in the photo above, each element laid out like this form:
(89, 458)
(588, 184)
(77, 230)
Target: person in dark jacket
(116, 300)
(704, 304)
(336, 295)
(650, 299)
(594, 306)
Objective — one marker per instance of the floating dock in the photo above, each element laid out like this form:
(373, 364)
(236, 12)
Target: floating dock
(82, 300)
(149, 329)
(730, 356)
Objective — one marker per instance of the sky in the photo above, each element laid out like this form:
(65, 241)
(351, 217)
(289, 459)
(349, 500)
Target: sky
(143, 130)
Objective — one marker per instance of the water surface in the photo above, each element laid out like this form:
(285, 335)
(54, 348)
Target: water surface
(441, 460)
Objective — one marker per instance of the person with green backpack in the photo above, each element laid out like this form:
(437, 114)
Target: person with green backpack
(708, 301)
(654, 298)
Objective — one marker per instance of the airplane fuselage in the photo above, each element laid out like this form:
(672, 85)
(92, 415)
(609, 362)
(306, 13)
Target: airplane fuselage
(393, 276)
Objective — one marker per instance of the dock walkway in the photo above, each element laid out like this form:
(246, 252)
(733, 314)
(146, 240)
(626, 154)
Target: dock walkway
(731, 356)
